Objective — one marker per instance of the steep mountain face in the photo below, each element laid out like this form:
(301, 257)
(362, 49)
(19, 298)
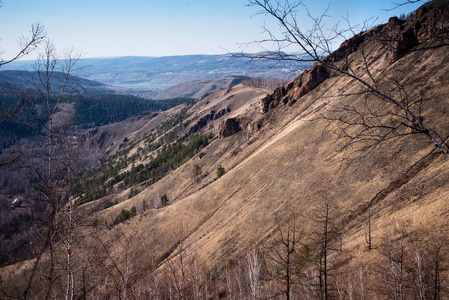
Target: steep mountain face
(294, 162)
(309, 150)
(297, 159)
(428, 27)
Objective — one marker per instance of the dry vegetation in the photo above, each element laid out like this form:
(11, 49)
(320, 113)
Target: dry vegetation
(300, 212)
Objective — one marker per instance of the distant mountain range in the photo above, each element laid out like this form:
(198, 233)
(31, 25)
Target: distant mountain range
(175, 69)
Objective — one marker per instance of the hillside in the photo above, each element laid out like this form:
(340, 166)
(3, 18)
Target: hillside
(197, 89)
(325, 185)
(85, 111)
(25, 79)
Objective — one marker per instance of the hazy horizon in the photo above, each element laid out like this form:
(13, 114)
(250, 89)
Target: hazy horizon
(108, 29)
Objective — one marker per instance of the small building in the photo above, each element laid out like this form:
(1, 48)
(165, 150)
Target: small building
(16, 203)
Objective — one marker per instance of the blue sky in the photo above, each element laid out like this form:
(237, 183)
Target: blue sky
(104, 28)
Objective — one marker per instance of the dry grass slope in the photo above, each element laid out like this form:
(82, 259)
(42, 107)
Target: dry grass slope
(294, 163)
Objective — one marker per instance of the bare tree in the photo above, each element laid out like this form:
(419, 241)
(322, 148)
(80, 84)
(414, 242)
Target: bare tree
(267, 83)
(420, 283)
(350, 284)
(26, 45)
(287, 255)
(51, 81)
(236, 278)
(328, 244)
(437, 272)
(325, 240)
(72, 222)
(398, 4)
(183, 274)
(254, 266)
(361, 125)
(368, 238)
(51, 157)
(116, 270)
(391, 270)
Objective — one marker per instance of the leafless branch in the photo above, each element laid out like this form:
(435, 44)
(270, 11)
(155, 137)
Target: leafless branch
(315, 44)
(28, 44)
(407, 2)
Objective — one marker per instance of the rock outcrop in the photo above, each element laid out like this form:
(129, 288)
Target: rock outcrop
(309, 80)
(406, 40)
(289, 93)
(429, 23)
(208, 118)
(228, 127)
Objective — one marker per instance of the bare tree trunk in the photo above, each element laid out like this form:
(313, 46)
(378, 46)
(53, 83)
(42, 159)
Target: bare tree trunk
(437, 284)
(51, 87)
(254, 267)
(323, 254)
(368, 235)
(362, 283)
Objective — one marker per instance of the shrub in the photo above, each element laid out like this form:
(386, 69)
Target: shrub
(197, 173)
(164, 201)
(125, 215)
(110, 204)
(133, 192)
(220, 171)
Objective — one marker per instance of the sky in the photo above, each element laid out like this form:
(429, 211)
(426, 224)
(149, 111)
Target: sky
(110, 28)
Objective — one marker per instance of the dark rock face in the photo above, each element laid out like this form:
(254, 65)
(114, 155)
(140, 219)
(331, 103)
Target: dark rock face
(221, 113)
(309, 80)
(430, 23)
(271, 100)
(228, 127)
(346, 48)
(208, 118)
(302, 85)
(405, 42)
(394, 23)
(202, 122)
(403, 38)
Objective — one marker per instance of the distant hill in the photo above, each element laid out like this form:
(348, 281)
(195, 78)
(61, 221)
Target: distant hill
(96, 105)
(196, 89)
(12, 79)
(97, 110)
(177, 69)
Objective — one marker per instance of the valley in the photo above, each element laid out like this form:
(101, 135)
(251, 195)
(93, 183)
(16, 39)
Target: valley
(146, 76)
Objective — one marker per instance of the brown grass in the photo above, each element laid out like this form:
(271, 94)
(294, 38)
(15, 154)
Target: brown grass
(291, 165)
